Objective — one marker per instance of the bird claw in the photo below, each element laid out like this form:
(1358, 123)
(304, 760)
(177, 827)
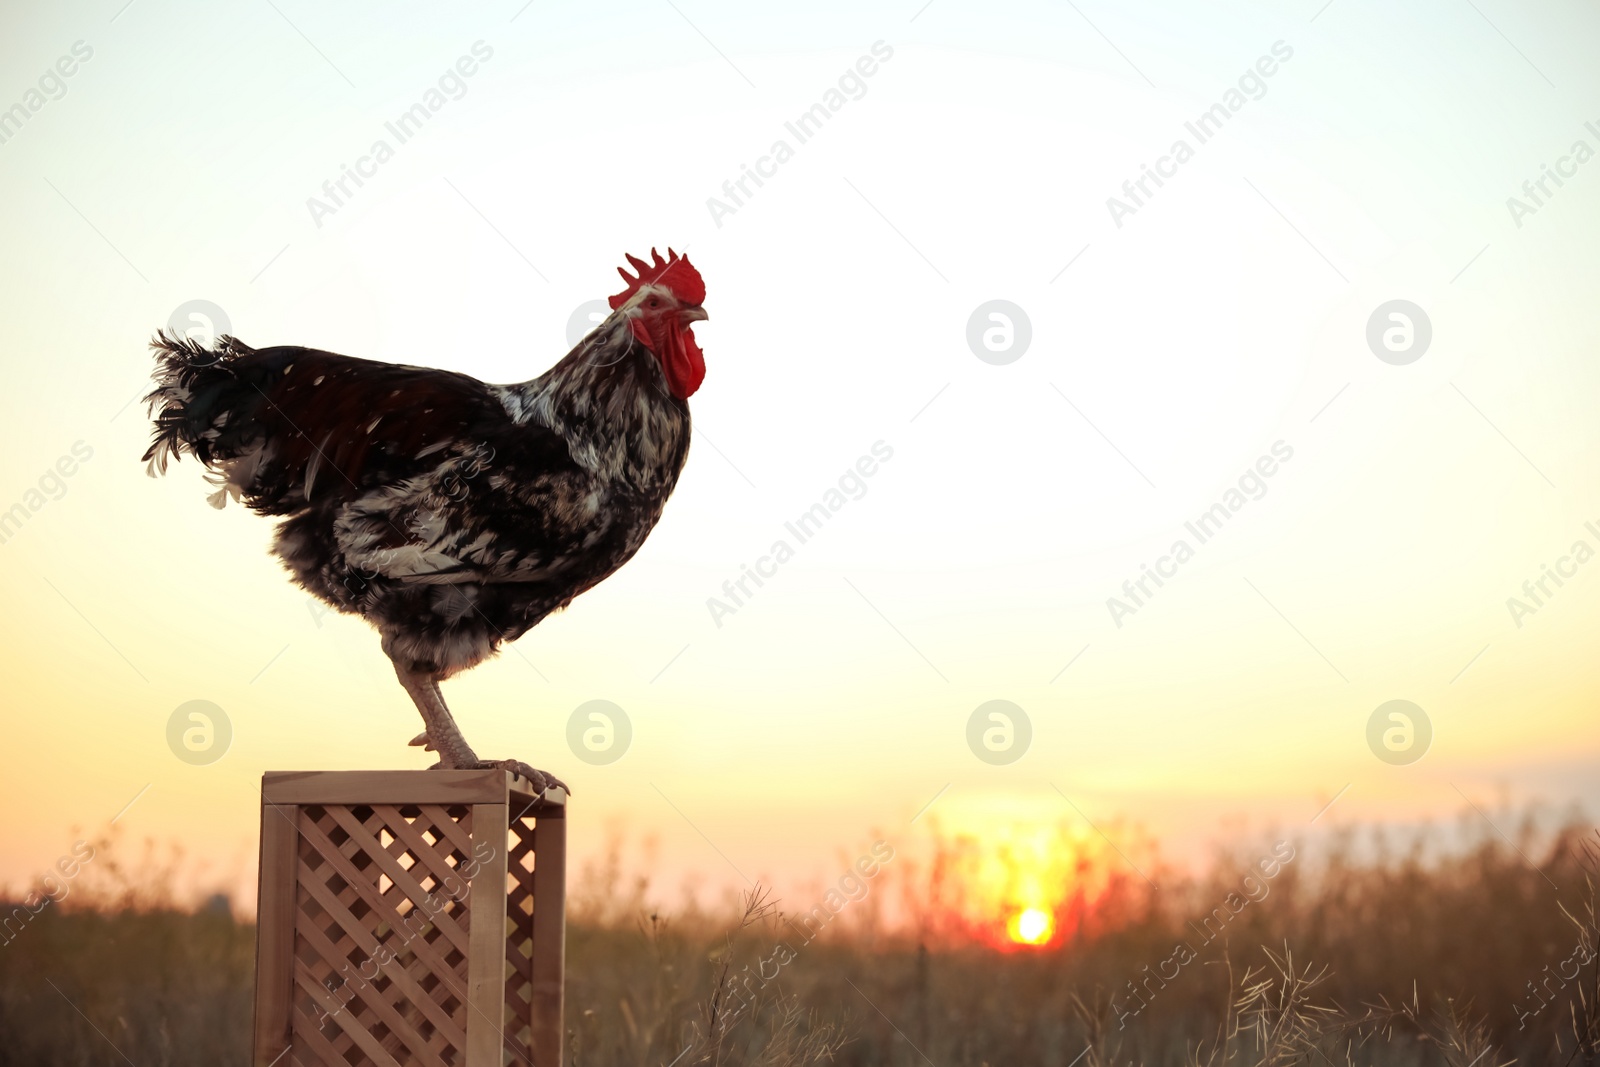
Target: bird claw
(423, 742)
(541, 780)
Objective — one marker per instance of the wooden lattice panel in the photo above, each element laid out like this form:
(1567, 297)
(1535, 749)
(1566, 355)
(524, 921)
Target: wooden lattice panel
(409, 918)
(520, 979)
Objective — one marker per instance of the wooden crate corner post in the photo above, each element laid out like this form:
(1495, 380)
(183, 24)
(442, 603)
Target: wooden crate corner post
(410, 917)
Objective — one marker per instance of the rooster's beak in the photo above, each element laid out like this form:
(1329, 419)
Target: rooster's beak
(694, 314)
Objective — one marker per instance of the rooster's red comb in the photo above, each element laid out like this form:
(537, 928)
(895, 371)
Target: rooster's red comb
(675, 272)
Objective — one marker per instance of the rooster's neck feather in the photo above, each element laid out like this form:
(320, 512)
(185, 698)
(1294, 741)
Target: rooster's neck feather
(608, 399)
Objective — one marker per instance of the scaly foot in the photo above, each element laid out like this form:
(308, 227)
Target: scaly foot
(541, 780)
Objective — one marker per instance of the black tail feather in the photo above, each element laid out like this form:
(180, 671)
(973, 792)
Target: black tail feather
(197, 389)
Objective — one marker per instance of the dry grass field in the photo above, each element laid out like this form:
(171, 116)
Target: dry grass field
(1395, 954)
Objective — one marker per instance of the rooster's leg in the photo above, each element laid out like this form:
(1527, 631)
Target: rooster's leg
(440, 732)
(442, 735)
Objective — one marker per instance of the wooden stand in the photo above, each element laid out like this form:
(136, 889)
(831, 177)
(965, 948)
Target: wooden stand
(410, 917)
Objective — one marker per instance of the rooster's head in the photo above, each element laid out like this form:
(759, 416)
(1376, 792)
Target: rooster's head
(661, 306)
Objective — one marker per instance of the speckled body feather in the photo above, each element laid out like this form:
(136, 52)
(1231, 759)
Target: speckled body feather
(452, 514)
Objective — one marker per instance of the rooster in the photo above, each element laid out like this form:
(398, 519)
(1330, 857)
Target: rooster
(451, 514)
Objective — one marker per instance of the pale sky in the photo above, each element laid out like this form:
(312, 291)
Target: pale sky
(1223, 319)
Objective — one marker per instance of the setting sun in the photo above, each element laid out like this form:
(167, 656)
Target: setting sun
(1002, 876)
(1031, 927)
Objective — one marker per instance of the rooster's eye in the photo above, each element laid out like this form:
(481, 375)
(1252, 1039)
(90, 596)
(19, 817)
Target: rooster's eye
(654, 302)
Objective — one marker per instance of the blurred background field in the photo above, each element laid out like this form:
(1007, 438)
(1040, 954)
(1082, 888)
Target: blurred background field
(1373, 947)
